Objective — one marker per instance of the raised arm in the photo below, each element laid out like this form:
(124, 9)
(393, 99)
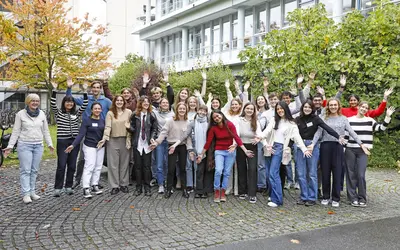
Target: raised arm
(107, 91)
(382, 126)
(381, 109)
(204, 85)
(70, 83)
(53, 100)
(266, 84)
(85, 100)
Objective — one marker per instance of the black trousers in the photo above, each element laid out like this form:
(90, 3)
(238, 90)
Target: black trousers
(204, 178)
(142, 169)
(247, 170)
(331, 164)
(65, 161)
(179, 154)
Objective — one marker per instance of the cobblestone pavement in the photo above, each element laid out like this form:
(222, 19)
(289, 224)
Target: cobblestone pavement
(124, 221)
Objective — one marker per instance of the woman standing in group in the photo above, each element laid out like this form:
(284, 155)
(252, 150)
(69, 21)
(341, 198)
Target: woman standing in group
(224, 132)
(118, 145)
(92, 130)
(163, 114)
(190, 164)
(29, 129)
(144, 127)
(278, 134)
(247, 166)
(332, 151)
(356, 158)
(182, 96)
(178, 148)
(129, 95)
(67, 129)
(308, 123)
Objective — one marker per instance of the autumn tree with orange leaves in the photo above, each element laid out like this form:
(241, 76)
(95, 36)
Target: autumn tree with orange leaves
(48, 46)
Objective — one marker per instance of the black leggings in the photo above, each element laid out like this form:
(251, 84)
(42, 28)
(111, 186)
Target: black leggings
(331, 163)
(180, 153)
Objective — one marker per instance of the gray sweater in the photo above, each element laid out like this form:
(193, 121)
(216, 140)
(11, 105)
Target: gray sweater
(338, 123)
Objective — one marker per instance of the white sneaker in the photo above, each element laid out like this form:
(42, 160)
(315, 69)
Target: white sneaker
(325, 202)
(355, 204)
(297, 186)
(161, 189)
(86, 193)
(27, 199)
(272, 204)
(335, 204)
(35, 197)
(363, 204)
(243, 196)
(253, 200)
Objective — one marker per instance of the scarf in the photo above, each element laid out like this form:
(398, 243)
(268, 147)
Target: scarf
(32, 113)
(200, 133)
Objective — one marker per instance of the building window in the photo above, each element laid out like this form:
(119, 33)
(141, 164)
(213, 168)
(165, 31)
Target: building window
(197, 41)
(275, 15)
(178, 47)
(290, 5)
(234, 30)
(328, 6)
(191, 44)
(306, 3)
(347, 5)
(216, 43)
(261, 19)
(168, 6)
(164, 51)
(248, 27)
(207, 39)
(226, 33)
(170, 48)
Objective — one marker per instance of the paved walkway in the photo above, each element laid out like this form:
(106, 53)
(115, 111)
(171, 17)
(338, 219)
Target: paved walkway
(128, 222)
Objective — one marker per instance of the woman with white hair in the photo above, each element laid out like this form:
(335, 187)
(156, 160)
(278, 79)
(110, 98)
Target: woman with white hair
(29, 129)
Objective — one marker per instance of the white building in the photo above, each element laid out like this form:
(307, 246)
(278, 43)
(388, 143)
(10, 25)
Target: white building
(185, 31)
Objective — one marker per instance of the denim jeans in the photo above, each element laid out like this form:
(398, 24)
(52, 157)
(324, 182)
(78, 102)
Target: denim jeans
(29, 160)
(189, 172)
(162, 161)
(261, 173)
(223, 166)
(289, 169)
(274, 178)
(307, 172)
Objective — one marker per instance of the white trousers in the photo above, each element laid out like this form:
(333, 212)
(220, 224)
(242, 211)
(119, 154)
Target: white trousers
(93, 163)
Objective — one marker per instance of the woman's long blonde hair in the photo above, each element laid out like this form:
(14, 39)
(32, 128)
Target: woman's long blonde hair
(240, 109)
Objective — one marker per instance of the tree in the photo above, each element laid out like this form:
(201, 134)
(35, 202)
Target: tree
(7, 31)
(49, 47)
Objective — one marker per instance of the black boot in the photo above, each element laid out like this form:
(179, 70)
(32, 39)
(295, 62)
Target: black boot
(168, 194)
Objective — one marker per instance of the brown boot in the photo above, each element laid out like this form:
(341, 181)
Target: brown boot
(223, 197)
(216, 196)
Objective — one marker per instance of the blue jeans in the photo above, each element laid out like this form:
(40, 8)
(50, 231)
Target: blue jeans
(274, 178)
(289, 169)
(261, 173)
(307, 172)
(29, 156)
(223, 165)
(162, 161)
(189, 172)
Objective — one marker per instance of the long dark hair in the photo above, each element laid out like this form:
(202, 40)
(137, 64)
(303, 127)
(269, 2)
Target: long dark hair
(219, 100)
(253, 116)
(309, 102)
(68, 98)
(266, 107)
(224, 121)
(288, 115)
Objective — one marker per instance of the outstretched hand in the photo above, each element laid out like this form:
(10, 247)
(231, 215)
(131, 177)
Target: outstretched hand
(390, 111)
(387, 93)
(70, 83)
(343, 80)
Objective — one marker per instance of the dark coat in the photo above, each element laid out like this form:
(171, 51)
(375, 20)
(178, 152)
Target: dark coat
(151, 128)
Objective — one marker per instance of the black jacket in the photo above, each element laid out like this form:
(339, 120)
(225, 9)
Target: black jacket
(151, 128)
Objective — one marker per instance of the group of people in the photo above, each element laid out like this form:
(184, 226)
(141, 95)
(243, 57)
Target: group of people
(181, 142)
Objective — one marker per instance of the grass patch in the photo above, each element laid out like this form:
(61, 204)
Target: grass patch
(12, 160)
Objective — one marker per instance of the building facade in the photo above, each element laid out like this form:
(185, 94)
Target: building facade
(185, 32)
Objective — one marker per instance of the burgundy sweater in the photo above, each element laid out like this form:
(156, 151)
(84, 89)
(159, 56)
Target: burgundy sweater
(222, 136)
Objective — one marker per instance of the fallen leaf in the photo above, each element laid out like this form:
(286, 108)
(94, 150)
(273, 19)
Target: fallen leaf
(295, 241)
(221, 214)
(282, 211)
(83, 205)
(43, 188)
(331, 212)
(388, 180)
(107, 201)
(36, 235)
(132, 206)
(76, 209)
(46, 226)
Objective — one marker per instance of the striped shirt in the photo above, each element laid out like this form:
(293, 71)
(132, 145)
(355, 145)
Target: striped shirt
(67, 123)
(364, 128)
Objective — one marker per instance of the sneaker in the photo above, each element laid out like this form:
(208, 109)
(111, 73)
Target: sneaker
(355, 204)
(35, 197)
(86, 193)
(301, 202)
(335, 204)
(217, 196)
(161, 189)
(27, 199)
(96, 189)
(243, 196)
(269, 199)
(310, 203)
(253, 200)
(153, 182)
(190, 190)
(287, 186)
(272, 204)
(69, 191)
(325, 202)
(297, 186)
(363, 204)
(57, 193)
(223, 197)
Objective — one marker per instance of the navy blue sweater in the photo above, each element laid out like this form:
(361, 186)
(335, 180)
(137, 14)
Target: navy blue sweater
(92, 130)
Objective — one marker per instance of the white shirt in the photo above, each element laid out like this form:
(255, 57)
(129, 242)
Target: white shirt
(142, 144)
(281, 131)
